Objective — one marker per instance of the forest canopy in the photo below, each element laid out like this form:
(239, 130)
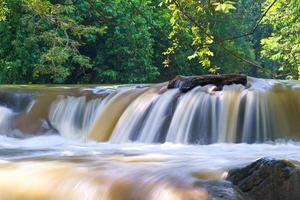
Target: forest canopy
(134, 41)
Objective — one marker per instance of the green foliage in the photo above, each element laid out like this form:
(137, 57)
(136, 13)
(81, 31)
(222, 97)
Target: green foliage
(44, 40)
(126, 53)
(283, 45)
(203, 25)
(76, 41)
(224, 7)
(117, 41)
(3, 10)
(185, 32)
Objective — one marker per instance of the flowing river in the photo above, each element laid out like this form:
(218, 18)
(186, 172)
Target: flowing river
(138, 142)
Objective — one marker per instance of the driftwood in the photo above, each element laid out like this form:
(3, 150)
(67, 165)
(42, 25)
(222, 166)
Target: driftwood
(186, 83)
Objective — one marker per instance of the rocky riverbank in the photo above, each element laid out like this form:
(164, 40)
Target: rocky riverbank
(264, 179)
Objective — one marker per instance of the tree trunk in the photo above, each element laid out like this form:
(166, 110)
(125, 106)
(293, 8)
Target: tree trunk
(186, 83)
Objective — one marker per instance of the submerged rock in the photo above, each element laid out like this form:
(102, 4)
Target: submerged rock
(267, 179)
(186, 83)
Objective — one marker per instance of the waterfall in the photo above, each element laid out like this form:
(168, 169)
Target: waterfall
(133, 116)
(109, 116)
(182, 124)
(158, 117)
(73, 116)
(6, 116)
(266, 110)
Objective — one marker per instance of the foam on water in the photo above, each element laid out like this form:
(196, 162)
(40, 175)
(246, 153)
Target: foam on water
(218, 156)
(144, 142)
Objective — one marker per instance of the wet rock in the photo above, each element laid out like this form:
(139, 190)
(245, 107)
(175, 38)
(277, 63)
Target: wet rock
(220, 190)
(267, 179)
(186, 83)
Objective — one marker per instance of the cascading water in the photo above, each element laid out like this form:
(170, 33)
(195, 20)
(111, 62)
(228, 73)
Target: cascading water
(137, 142)
(6, 115)
(159, 117)
(73, 116)
(201, 116)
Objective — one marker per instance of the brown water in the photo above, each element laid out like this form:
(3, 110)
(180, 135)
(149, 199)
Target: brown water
(139, 142)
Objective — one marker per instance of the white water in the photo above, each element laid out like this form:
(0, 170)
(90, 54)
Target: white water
(5, 117)
(219, 156)
(52, 167)
(73, 116)
(267, 110)
(153, 149)
(157, 117)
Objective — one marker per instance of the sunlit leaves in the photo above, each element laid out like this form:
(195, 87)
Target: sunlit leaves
(224, 7)
(195, 22)
(3, 10)
(283, 46)
(111, 41)
(41, 6)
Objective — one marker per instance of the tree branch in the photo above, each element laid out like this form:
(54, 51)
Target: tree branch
(252, 31)
(220, 42)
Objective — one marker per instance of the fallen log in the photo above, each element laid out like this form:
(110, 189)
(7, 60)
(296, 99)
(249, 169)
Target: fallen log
(186, 83)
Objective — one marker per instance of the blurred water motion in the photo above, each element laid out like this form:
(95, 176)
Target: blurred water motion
(140, 142)
(51, 167)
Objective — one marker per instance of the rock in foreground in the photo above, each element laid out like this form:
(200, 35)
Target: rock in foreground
(186, 83)
(267, 179)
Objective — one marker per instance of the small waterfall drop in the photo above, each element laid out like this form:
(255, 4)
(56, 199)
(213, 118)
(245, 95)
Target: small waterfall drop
(265, 110)
(132, 117)
(6, 116)
(151, 141)
(181, 123)
(74, 116)
(160, 114)
(109, 116)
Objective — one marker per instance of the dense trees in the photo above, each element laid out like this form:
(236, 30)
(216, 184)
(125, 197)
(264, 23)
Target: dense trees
(42, 40)
(282, 46)
(128, 41)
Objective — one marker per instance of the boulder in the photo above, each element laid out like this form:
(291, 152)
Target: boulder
(186, 83)
(219, 189)
(267, 179)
